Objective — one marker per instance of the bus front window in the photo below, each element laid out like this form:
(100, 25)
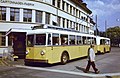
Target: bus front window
(40, 39)
(30, 39)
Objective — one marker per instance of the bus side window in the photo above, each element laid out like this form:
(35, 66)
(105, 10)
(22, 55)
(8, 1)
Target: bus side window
(94, 41)
(84, 40)
(72, 40)
(40, 39)
(30, 40)
(64, 39)
(55, 38)
(89, 40)
(107, 42)
(49, 39)
(79, 40)
(100, 42)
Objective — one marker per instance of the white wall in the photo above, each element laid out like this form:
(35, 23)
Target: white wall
(7, 26)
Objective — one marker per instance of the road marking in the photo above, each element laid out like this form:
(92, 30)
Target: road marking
(69, 72)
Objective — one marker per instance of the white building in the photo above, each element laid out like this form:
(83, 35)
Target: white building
(69, 14)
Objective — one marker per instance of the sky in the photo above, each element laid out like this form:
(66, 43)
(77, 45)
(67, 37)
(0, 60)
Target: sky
(108, 10)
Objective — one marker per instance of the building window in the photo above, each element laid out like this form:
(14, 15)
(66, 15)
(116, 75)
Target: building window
(47, 18)
(2, 13)
(87, 19)
(59, 20)
(84, 28)
(82, 18)
(58, 3)
(92, 27)
(77, 12)
(67, 7)
(53, 2)
(14, 14)
(80, 27)
(63, 8)
(73, 11)
(67, 23)
(27, 17)
(77, 26)
(63, 22)
(71, 24)
(70, 9)
(39, 16)
(87, 29)
(2, 38)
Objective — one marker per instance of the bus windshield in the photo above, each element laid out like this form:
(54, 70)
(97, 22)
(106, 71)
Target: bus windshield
(40, 39)
(30, 40)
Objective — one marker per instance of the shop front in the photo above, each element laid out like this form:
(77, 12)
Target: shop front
(17, 43)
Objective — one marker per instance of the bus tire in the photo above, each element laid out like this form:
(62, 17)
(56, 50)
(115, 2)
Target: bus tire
(109, 50)
(98, 52)
(64, 58)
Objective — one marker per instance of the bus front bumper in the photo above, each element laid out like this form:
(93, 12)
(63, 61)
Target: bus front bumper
(35, 61)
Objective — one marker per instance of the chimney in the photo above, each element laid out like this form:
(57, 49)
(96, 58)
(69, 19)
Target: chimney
(80, 1)
(84, 4)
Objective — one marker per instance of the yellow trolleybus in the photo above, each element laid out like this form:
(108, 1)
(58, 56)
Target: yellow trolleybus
(49, 44)
(103, 44)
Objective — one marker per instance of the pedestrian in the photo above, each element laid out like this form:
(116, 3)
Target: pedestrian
(91, 60)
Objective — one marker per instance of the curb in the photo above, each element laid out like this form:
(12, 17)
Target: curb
(107, 75)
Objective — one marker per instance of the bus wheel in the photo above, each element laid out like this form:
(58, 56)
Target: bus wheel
(64, 58)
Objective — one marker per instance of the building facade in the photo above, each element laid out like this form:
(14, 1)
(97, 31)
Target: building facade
(68, 14)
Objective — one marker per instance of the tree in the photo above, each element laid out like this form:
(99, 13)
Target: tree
(114, 34)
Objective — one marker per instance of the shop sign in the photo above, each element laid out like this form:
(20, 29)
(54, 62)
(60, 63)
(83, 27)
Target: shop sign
(16, 2)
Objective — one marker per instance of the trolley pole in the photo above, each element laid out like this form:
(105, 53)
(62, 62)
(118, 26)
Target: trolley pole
(105, 28)
(96, 24)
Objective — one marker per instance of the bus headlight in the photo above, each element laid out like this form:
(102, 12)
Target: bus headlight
(27, 52)
(42, 52)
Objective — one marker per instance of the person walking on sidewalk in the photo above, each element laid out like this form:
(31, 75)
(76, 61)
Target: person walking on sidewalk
(91, 60)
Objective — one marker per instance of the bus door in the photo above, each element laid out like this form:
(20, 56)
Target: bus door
(18, 43)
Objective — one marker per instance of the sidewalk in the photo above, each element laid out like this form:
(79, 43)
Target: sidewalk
(6, 62)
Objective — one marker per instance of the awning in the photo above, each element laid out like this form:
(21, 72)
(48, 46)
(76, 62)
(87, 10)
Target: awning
(12, 30)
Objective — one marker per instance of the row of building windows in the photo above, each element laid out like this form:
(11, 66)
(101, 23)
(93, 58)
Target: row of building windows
(27, 17)
(69, 9)
(66, 23)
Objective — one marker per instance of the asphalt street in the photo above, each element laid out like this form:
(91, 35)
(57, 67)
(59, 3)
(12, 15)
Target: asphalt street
(107, 63)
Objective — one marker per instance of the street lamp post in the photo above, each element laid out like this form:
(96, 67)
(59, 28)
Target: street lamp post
(105, 28)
